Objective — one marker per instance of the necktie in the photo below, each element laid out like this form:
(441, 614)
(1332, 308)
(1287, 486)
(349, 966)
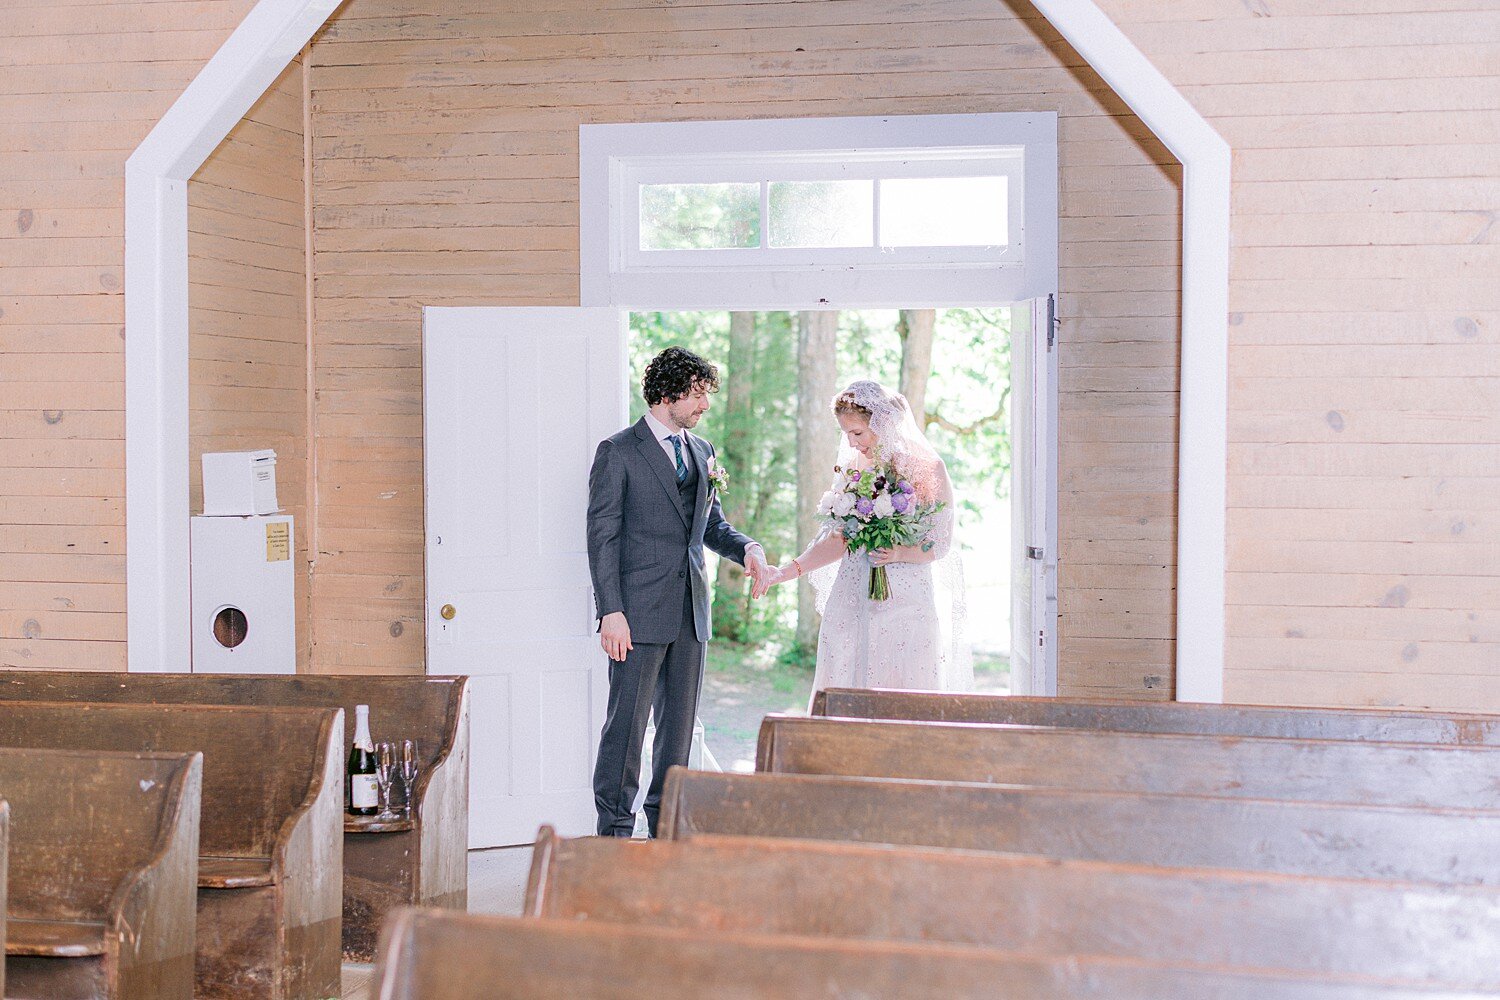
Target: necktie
(681, 469)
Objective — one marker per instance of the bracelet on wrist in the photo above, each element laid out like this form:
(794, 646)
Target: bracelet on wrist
(798, 565)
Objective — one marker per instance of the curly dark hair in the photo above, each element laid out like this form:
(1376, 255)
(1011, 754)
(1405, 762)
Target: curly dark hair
(675, 373)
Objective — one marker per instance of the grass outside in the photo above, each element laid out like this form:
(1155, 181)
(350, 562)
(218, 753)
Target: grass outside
(744, 683)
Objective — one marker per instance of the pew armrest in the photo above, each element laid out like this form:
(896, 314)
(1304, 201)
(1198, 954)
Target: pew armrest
(152, 915)
(308, 862)
(442, 809)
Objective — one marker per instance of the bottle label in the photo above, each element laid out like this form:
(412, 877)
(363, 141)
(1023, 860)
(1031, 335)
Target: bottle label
(362, 791)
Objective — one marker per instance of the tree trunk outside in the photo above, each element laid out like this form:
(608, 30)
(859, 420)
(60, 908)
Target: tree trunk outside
(817, 441)
(915, 327)
(731, 599)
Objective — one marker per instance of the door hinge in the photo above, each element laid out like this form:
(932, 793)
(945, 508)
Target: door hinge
(1053, 322)
(1041, 638)
(1033, 552)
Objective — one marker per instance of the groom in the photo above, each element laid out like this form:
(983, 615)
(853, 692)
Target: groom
(651, 511)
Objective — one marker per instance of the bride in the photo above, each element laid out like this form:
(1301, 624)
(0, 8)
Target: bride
(913, 639)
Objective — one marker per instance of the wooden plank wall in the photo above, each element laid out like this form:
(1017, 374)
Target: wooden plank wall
(445, 172)
(247, 315)
(81, 84)
(1364, 457)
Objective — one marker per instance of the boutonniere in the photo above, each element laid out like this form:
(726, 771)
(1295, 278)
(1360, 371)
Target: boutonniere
(718, 476)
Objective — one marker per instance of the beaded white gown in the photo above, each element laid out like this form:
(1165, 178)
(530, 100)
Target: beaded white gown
(914, 638)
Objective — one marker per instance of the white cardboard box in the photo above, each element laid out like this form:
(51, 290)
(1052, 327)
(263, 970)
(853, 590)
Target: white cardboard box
(239, 483)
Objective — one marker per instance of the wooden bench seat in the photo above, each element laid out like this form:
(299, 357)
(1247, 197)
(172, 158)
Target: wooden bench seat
(235, 873)
(55, 938)
(271, 833)
(102, 873)
(1400, 774)
(1025, 905)
(442, 955)
(1365, 724)
(423, 861)
(1445, 847)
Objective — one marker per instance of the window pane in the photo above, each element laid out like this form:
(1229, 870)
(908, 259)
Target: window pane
(699, 216)
(822, 213)
(944, 212)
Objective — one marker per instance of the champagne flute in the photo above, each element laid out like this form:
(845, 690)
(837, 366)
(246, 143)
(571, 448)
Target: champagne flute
(409, 772)
(385, 769)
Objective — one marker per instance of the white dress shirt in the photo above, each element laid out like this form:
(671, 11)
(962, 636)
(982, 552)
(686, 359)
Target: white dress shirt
(664, 436)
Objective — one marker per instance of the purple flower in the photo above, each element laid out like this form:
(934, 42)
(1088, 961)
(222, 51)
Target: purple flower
(865, 506)
(905, 487)
(902, 502)
(854, 476)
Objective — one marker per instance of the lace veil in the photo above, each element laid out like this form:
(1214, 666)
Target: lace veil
(902, 443)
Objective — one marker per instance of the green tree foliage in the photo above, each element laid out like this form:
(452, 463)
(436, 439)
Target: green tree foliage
(700, 216)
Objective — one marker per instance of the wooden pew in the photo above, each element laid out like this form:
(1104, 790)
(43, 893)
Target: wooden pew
(1400, 931)
(1400, 774)
(270, 839)
(103, 861)
(4, 852)
(1445, 847)
(422, 860)
(1364, 724)
(442, 955)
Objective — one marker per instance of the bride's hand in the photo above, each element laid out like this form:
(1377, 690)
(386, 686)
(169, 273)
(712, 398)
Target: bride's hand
(902, 553)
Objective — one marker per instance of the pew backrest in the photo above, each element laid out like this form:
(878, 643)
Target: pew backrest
(442, 955)
(432, 710)
(1024, 905)
(263, 768)
(1445, 847)
(111, 839)
(1366, 724)
(1401, 774)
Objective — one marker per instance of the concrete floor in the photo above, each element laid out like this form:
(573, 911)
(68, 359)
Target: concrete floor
(497, 884)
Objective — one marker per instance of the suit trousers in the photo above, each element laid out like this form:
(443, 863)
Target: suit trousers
(659, 679)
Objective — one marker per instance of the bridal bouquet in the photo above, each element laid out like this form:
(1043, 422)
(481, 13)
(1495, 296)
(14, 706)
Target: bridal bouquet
(876, 509)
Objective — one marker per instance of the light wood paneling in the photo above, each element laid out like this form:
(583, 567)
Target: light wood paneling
(1363, 337)
(1364, 373)
(445, 172)
(247, 308)
(81, 86)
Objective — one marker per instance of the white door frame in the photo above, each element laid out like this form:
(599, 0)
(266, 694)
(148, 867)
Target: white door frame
(265, 43)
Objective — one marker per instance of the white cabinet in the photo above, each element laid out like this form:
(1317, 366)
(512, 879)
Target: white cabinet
(244, 614)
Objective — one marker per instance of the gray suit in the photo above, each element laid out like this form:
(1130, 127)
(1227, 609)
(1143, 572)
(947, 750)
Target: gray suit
(646, 534)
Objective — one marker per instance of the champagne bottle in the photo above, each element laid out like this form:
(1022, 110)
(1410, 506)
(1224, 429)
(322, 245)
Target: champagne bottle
(359, 780)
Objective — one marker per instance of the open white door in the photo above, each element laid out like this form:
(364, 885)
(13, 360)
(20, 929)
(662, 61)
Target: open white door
(1033, 498)
(515, 402)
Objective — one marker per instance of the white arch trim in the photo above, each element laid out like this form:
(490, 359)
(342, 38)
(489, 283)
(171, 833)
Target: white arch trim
(1203, 426)
(156, 318)
(156, 324)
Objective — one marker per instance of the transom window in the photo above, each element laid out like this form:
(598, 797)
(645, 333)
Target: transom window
(952, 209)
(886, 209)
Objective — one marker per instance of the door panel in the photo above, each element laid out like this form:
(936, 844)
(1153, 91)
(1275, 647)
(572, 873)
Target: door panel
(515, 402)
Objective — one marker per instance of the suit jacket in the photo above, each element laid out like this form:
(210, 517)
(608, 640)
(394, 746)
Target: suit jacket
(643, 548)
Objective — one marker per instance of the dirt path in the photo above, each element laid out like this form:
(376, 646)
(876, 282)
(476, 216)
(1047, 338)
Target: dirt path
(741, 687)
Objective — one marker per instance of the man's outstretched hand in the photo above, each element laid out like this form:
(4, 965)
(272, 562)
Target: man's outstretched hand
(760, 573)
(614, 635)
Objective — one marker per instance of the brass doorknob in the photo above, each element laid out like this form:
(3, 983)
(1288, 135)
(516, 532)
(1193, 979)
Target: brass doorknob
(448, 611)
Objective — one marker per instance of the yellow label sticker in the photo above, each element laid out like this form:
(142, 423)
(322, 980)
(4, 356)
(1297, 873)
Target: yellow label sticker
(278, 541)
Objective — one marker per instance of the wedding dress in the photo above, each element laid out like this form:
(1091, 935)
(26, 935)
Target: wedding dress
(915, 638)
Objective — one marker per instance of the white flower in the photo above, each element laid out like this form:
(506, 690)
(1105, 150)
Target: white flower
(825, 505)
(883, 506)
(843, 504)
